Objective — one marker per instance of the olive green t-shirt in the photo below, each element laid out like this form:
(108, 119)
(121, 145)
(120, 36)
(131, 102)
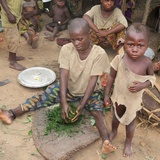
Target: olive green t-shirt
(80, 71)
(103, 23)
(15, 8)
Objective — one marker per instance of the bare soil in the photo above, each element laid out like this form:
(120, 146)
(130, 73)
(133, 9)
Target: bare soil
(15, 141)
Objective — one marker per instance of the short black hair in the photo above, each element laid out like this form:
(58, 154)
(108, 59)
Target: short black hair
(79, 24)
(138, 28)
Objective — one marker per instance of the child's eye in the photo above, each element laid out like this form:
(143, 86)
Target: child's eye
(79, 39)
(130, 44)
(140, 45)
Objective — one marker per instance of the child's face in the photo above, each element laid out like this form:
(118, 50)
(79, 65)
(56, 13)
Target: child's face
(107, 4)
(60, 3)
(136, 44)
(79, 40)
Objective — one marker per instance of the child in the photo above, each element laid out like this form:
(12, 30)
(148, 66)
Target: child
(28, 7)
(131, 73)
(107, 23)
(60, 17)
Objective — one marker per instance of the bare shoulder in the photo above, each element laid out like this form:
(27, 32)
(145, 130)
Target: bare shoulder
(147, 61)
(148, 65)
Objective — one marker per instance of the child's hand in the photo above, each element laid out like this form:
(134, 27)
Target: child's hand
(137, 86)
(78, 113)
(23, 21)
(107, 101)
(46, 10)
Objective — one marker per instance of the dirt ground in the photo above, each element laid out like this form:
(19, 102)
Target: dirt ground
(15, 141)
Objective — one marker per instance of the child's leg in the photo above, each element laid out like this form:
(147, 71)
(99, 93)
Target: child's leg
(38, 25)
(49, 97)
(120, 109)
(50, 26)
(55, 31)
(115, 124)
(100, 124)
(95, 106)
(32, 37)
(128, 142)
(13, 44)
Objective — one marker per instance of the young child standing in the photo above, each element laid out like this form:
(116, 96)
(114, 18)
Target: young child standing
(60, 16)
(131, 73)
(28, 7)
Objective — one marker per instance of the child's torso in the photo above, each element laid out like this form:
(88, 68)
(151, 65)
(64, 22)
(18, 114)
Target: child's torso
(59, 14)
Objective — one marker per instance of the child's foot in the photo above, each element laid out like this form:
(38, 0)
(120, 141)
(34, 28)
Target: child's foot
(35, 39)
(18, 58)
(5, 117)
(107, 147)
(50, 38)
(17, 66)
(47, 34)
(127, 150)
(31, 32)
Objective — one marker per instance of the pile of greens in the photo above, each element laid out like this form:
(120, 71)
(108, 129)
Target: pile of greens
(56, 123)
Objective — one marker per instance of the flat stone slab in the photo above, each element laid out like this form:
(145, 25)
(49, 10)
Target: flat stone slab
(54, 147)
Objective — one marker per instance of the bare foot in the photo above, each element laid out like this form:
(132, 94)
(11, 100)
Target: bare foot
(18, 58)
(35, 39)
(50, 38)
(29, 39)
(47, 34)
(127, 150)
(6, 117)
(17, 66)
(31, 33)
(107, 147)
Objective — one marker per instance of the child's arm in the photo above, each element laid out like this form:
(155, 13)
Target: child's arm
(91, 24)
(116, 29)
(109, 85)
(23, 21)
(11, 17)
(137, 86)
(50, 12)
(63, 89)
